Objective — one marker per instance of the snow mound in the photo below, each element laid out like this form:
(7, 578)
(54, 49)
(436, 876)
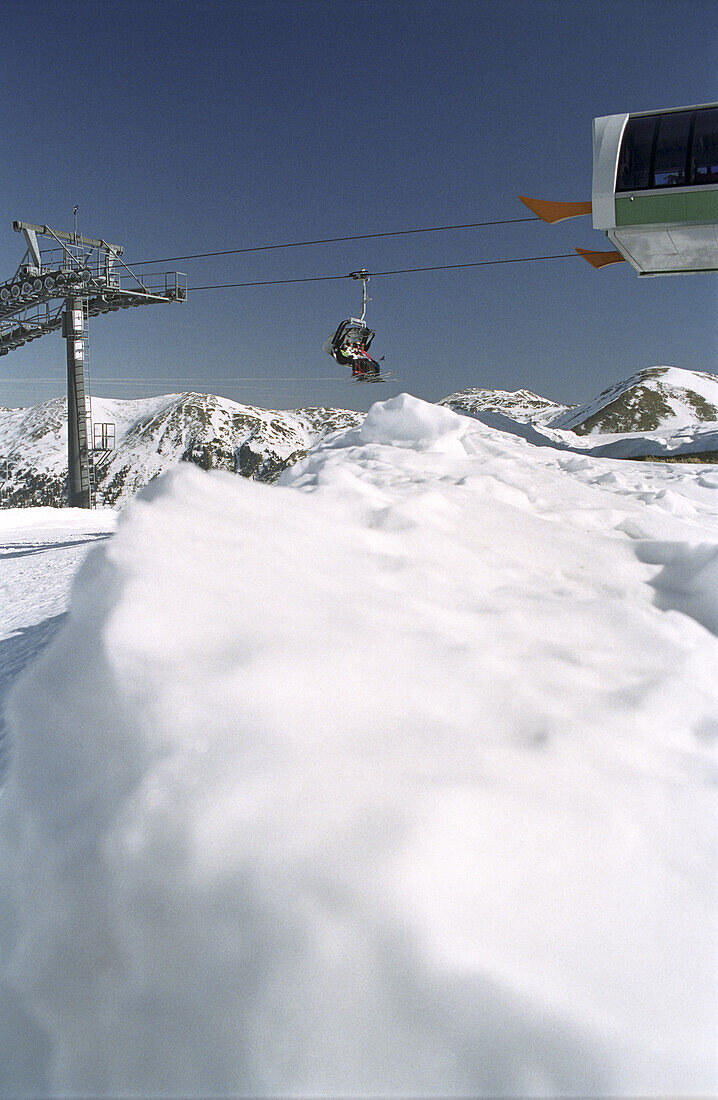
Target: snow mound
(394, 778)
(405, 421)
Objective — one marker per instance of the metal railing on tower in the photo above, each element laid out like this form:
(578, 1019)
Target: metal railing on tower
(60, 287)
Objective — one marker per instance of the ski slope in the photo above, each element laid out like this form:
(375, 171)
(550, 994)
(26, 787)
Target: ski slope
(397, 778)
(40, 551)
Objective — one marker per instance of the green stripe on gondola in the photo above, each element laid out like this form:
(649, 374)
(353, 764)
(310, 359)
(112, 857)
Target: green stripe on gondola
(667, 208)
(702, 206)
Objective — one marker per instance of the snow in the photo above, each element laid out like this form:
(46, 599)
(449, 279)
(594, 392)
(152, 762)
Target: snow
(679, 437)
(40, 550)
(700, 382)
(150, 436)
(677, 387)
(396, 778)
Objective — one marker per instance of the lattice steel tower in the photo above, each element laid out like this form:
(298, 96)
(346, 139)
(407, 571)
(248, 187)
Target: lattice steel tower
(60, 287)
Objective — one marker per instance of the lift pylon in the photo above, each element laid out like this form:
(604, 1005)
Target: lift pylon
(61, 286)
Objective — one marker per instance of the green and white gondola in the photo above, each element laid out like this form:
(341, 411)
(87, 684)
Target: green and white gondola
(655, 188)
(655, 191)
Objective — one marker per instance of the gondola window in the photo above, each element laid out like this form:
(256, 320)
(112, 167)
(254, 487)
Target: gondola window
(634, 166)
(669, 168)
(704, 159)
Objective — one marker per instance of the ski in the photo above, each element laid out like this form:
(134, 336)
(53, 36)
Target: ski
(384, 376)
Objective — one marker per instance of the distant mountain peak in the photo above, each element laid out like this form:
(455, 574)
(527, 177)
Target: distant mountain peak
(152, 435)
(649, 400)
(521, 405)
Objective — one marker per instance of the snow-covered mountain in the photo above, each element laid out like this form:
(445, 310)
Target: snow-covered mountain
(521, 405)
(654, 399)
(659, 412)
(154, 434)
(656, 412)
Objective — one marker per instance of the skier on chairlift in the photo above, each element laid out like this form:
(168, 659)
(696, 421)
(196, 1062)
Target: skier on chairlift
(349, 345)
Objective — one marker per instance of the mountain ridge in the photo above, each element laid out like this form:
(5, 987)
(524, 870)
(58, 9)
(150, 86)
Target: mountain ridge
(522, 405)
(649, 400)
(154, 434)
(655, 412)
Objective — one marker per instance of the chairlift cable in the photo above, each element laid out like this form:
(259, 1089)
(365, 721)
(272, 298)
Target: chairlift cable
(395, 271)
(269, 379)
(273, 282)
(335, 240)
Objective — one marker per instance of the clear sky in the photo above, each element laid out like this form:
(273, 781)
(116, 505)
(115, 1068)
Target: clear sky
(184, 127)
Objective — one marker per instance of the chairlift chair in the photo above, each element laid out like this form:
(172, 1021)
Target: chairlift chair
(349, 345)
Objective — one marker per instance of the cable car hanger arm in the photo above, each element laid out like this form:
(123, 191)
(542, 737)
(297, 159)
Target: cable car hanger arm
(552, 212)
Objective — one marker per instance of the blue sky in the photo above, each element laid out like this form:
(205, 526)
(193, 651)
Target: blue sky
(193, 127)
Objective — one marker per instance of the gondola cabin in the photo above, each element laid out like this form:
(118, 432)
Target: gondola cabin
(655, 191)
(655, 188)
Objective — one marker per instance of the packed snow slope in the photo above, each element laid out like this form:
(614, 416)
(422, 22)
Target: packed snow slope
(661, 412)
(395, 778)
(40, 551)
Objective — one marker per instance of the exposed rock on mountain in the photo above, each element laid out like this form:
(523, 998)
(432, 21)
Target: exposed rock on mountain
(153, 434)
(658, 412)
(650, 400)
(521, 405)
